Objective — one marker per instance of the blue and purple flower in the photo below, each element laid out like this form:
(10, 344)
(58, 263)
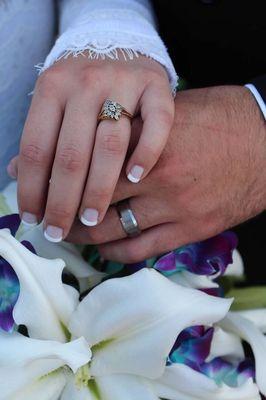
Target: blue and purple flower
(9, 283)
(210, 257)
(192, 348)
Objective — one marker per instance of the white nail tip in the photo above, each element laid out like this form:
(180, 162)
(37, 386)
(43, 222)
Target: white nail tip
(88, 223)
(52, 239)
(132, 178)
(30, 225)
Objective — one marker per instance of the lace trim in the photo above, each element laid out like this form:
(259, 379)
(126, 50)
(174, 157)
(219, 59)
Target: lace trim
(126, 33)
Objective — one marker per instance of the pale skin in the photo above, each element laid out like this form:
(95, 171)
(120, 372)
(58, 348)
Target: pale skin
(210, 177)
(68, 163)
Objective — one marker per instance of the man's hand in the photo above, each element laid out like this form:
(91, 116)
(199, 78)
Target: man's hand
(211, 176)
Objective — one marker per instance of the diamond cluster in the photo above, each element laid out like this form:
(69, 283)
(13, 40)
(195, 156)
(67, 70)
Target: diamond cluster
(111, 109)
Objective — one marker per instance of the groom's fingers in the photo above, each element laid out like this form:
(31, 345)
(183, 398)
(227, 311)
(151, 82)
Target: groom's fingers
(152, 242)
(146, 211)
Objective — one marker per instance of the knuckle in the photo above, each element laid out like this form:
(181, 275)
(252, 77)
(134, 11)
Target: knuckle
(48, 82)
(33, 154)
(111, 143)
(70, 159)
(58, 214)
(99, 195)
(92, 77)
(166, 117)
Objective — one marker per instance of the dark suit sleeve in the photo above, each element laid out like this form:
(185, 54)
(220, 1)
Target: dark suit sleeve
(260, 85)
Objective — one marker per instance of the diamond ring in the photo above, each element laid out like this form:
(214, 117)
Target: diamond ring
(113, 110)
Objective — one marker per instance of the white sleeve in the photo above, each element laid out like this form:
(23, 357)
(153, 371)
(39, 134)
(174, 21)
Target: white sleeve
(102, 27)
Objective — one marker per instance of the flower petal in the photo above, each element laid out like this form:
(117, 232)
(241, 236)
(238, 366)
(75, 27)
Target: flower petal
(47, 388)
(82, 270)
(182, 383)
(251, 334)
(18, 351)
(237, 267)
(23, 361)
(225, 344)
(9, 292)
(11, 222)
(133, 322)
(129, 387)
(209, 257)
(44, 304)
(257, 316)
(113, 387)
(187, 279)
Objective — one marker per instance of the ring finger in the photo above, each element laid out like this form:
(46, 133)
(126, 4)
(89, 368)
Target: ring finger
(110, 149)
(147, 212)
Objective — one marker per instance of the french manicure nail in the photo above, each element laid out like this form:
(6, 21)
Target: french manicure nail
(29, 219)
(53, 234)
(90, 217)
(135, 174)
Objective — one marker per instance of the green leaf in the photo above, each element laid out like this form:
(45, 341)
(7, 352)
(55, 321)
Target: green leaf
(248, 298)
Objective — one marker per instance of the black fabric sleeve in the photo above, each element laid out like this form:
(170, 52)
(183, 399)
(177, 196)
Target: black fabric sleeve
(260, 85)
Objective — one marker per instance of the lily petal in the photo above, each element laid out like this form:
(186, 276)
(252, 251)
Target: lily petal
(82, 270)
(237, 267)
(47, 388)
(226, 344)
(118, 387)
(129, 387)
(180, 382)
(251, 334)
(257, 316)
(23, 361)
(44, 304)
(18, 350)
(188, 279)
(133, 322)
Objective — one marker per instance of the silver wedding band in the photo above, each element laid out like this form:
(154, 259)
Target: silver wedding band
(127, 219)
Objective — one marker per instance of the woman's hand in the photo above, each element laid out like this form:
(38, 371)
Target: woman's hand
(68, 163)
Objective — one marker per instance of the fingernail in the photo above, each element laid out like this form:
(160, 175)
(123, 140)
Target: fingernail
(135, 174)
(90, 217)
(11, 170)
(53, 234)
(29, 219)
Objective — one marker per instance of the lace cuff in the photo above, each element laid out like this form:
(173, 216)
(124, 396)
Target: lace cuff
(109, 29)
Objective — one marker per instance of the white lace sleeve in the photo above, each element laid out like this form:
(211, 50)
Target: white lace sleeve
(102, 27)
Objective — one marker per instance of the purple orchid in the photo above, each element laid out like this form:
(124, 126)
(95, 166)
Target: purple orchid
(9, 283)
(210, 257)
(192, 348)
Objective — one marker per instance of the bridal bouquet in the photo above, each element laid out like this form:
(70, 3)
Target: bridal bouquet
(161, 329)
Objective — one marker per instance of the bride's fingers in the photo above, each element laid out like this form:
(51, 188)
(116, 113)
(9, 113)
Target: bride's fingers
(152, 242)
(37, 150)
(146, 211)
(71, 164)
(109, 153)
(157, 111)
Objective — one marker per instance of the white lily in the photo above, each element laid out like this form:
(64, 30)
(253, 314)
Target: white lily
(183, 383)
(227, 345)
(111, 345)
(86, 275)
(257, 316)
(248, 331)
